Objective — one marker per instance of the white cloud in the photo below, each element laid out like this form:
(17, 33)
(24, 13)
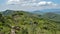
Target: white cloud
(45, 3)
(42, 3)
(31, 3)
(20, 1)
(13, 1)
(49, 2)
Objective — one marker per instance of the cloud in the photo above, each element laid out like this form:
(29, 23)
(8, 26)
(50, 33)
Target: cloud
(29, 5)
(19, 1)
(42, 3)
(13, 1)
(45, 3)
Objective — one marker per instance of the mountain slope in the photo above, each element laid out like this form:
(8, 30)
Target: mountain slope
(52, 16)
(21, 22)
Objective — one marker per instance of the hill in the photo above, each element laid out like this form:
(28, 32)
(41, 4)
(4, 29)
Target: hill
(21, 22)
(52, 16)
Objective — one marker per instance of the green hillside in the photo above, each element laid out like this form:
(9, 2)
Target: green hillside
(21, 22)
(52, 16)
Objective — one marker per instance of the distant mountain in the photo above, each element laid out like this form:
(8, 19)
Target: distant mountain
(8, 12)
(57, 11)
(48, 14)
(51, 16)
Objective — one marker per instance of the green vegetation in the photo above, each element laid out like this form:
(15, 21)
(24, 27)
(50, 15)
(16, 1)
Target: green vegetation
(22, 22)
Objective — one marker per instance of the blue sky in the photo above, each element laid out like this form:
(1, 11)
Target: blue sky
(29, 4)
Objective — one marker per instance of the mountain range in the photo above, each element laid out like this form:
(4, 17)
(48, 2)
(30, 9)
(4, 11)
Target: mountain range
(57, 11)
(52, 14)
(22, 22)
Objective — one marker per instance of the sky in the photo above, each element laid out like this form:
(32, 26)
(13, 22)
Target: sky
(29, 5)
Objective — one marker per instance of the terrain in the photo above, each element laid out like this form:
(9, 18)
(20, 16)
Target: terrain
(22, 22)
